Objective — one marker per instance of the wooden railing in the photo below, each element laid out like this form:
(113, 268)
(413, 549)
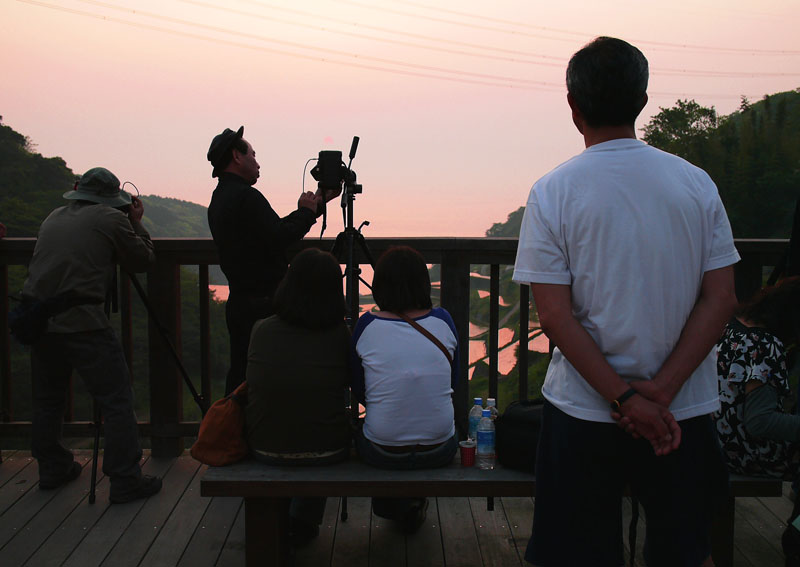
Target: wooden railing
(167, 427)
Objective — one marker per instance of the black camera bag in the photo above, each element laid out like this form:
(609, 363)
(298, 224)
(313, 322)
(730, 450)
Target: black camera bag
(517, 434)
(28, 321)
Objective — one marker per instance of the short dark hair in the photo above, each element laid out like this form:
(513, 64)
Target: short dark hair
(240, 145)
(777, 309)
(401, 281)
(607, 79)
(310, 294)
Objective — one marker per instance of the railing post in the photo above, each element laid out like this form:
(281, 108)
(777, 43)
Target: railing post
(5, 347)
(455, 298)
(126, 318)
(494, 328)
(163, 290)
(205, 335)
(524, 329)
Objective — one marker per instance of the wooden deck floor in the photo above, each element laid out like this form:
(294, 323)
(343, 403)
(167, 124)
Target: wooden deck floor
(179, 527)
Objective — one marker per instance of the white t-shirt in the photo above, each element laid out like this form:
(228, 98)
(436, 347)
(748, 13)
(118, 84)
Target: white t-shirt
(632, 230)
(406, 381)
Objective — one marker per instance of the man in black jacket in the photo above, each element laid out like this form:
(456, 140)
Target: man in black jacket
(252, 240)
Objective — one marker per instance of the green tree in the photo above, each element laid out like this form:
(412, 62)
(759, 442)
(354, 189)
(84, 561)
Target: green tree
(753, 155)
(682, 130)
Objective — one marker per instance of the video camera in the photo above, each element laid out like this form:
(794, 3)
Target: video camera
(331, 172)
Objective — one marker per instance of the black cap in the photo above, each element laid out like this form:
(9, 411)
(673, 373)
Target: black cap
(220, 146)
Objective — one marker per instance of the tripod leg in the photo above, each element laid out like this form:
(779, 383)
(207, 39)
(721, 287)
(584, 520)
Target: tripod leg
(95, 453)
(362, 243)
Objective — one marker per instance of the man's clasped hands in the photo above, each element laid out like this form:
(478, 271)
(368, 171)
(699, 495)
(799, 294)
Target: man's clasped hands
(647, 415)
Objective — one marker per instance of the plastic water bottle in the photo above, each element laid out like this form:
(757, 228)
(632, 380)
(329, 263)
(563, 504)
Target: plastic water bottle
(491, 405)
(475, 418)
(485, 457)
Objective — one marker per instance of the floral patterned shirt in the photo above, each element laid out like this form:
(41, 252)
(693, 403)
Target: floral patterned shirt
(745, 354)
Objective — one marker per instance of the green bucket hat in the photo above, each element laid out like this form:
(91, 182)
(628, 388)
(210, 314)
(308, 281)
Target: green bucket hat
(99, 185)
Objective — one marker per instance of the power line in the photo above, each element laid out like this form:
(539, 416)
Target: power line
(479, 78)
(548, 60)
(661, 44)
(558, 64)
(411, 69)
(208, 27)
(382, 29)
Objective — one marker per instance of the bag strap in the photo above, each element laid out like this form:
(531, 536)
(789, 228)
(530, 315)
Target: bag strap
(428, 334)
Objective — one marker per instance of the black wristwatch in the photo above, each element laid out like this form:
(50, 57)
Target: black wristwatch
(616, 405)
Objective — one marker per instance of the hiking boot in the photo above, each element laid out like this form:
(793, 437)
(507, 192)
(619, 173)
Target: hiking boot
(146, 487)
(73, 473)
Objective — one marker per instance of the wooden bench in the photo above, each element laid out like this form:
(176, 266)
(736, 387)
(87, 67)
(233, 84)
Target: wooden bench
(266, 491)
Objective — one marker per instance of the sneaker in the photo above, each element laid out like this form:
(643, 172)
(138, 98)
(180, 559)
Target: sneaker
(147, 486)
(415, 517)
(73, 473)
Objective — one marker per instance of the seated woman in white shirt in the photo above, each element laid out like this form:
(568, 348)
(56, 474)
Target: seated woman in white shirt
(404, 380)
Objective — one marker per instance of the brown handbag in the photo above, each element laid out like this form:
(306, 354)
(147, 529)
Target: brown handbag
(220, 440)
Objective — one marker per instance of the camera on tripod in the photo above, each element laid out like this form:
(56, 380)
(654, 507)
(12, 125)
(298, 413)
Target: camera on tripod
(331, 172)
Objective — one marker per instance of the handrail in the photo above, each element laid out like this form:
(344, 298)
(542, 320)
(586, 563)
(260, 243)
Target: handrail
(456, 256)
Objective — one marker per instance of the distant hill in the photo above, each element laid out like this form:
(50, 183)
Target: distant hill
(509, 228)
(167, 217)
(31, 186)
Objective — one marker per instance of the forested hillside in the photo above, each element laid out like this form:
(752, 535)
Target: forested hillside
(753, 155)
(32, 185)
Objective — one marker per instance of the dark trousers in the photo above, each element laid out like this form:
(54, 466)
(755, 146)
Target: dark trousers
(306, 510)
(241, 313)
(370, 453)
(582, 468)
(97, 356)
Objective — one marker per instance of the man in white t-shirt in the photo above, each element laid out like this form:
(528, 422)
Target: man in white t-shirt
(629, 254)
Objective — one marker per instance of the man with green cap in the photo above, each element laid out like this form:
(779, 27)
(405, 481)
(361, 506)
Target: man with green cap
(252, 240)
(76, 253)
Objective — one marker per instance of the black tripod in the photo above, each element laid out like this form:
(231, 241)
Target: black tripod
(344, 251)
(201, 402)
(331, 173)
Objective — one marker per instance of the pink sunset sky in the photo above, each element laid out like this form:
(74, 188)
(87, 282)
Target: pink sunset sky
(460, 106)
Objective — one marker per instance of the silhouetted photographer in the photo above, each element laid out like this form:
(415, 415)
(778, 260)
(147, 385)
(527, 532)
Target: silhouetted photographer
(252, 239)
(75, 257)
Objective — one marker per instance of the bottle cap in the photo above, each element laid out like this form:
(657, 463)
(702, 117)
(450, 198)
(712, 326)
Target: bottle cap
(486, 413)
(478, 401)
(491, 402)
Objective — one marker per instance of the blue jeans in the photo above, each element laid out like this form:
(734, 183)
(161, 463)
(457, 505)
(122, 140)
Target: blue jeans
(373, 455)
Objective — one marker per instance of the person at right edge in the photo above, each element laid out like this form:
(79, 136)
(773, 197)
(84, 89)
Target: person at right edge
(252, 240)
(629, 254)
